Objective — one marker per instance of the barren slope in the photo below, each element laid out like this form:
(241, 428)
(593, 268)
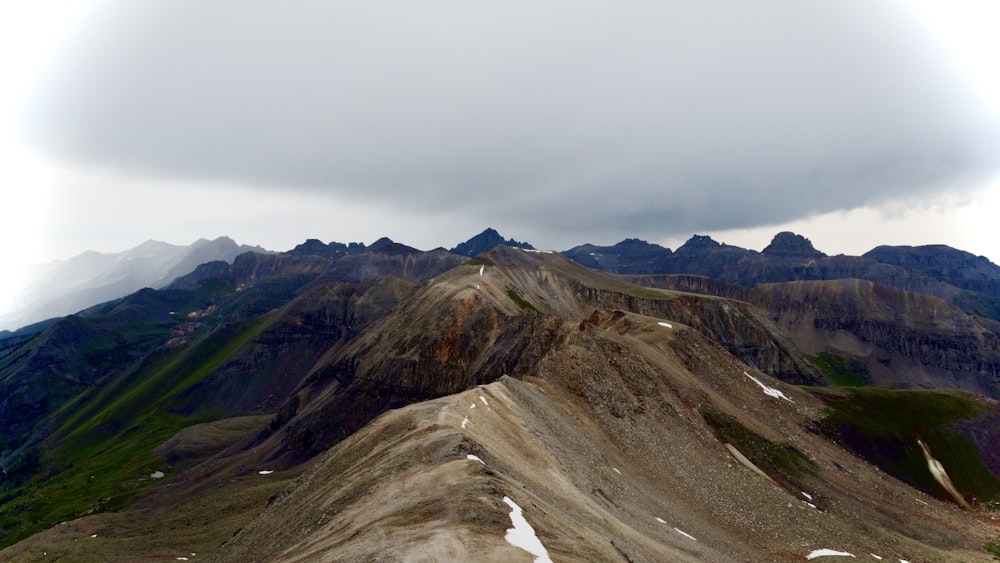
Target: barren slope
(610, 450)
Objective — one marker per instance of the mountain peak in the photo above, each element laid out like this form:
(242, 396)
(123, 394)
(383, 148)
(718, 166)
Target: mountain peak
(788, 244)
(384, 241)
(486, 241)
(697, 243)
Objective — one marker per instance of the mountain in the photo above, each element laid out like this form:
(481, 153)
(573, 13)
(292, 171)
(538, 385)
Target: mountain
(630, 256)
(63, 288)
(486, 241)
(390, 403)
(972, 283)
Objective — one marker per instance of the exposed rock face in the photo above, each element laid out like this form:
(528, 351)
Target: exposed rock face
(904, 339)
(958, 268)
(791, 245)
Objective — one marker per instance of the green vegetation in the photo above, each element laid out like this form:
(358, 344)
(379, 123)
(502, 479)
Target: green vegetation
(101, 456)
(518, 298)
(883, 425)
(472, 262)
(845, 372)
(784, 463)
(993, 548)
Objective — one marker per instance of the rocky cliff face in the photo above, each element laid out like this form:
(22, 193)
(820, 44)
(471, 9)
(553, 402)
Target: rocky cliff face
(903, 339)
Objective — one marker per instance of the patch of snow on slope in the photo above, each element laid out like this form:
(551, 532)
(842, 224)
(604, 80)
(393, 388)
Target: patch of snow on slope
(769, 391)
(265, 472)
(665, 324)
(828, 553)
(522, 535)
(941, 476)
(156, 475)
(615, 469)
(660, 520)
(481, 268)
(471, 457)
(483, 399)
(465, 422)
(685, 534)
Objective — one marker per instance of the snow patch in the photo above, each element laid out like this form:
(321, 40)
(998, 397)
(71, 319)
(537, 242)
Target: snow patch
(660, 520)
(685, 534)
(941, 476)
(472, 406)
(615, 469)
(875, 556)
(265, 472)
(156, 475)
(465, 422)
(769, 391)
(471, 457)
(807, 495)
(522, 535)
(538, 251)
(481, 268)
(483, 399)
(828, 553)
(665, 324)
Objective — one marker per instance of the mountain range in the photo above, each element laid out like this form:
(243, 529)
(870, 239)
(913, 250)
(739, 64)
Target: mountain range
(624, 403)
(62, 288)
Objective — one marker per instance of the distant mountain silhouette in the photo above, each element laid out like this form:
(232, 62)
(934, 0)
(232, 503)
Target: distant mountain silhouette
(486, 241)
(65, 287)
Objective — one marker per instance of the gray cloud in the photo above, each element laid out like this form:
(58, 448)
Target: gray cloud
(581, 117)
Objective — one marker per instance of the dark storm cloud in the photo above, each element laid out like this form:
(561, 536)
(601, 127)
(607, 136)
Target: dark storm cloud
(633, 117)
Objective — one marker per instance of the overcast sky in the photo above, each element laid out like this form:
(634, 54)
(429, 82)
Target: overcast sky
(854, 123)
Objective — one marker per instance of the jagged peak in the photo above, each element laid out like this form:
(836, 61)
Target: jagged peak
(787, 243)
(698, 242)
(486, 241)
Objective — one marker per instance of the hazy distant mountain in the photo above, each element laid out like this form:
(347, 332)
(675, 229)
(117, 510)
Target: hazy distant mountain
(65, 287)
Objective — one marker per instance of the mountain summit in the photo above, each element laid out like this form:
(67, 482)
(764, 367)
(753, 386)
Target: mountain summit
(486, 241)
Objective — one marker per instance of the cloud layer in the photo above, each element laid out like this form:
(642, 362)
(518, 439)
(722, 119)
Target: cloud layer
(625, 117)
